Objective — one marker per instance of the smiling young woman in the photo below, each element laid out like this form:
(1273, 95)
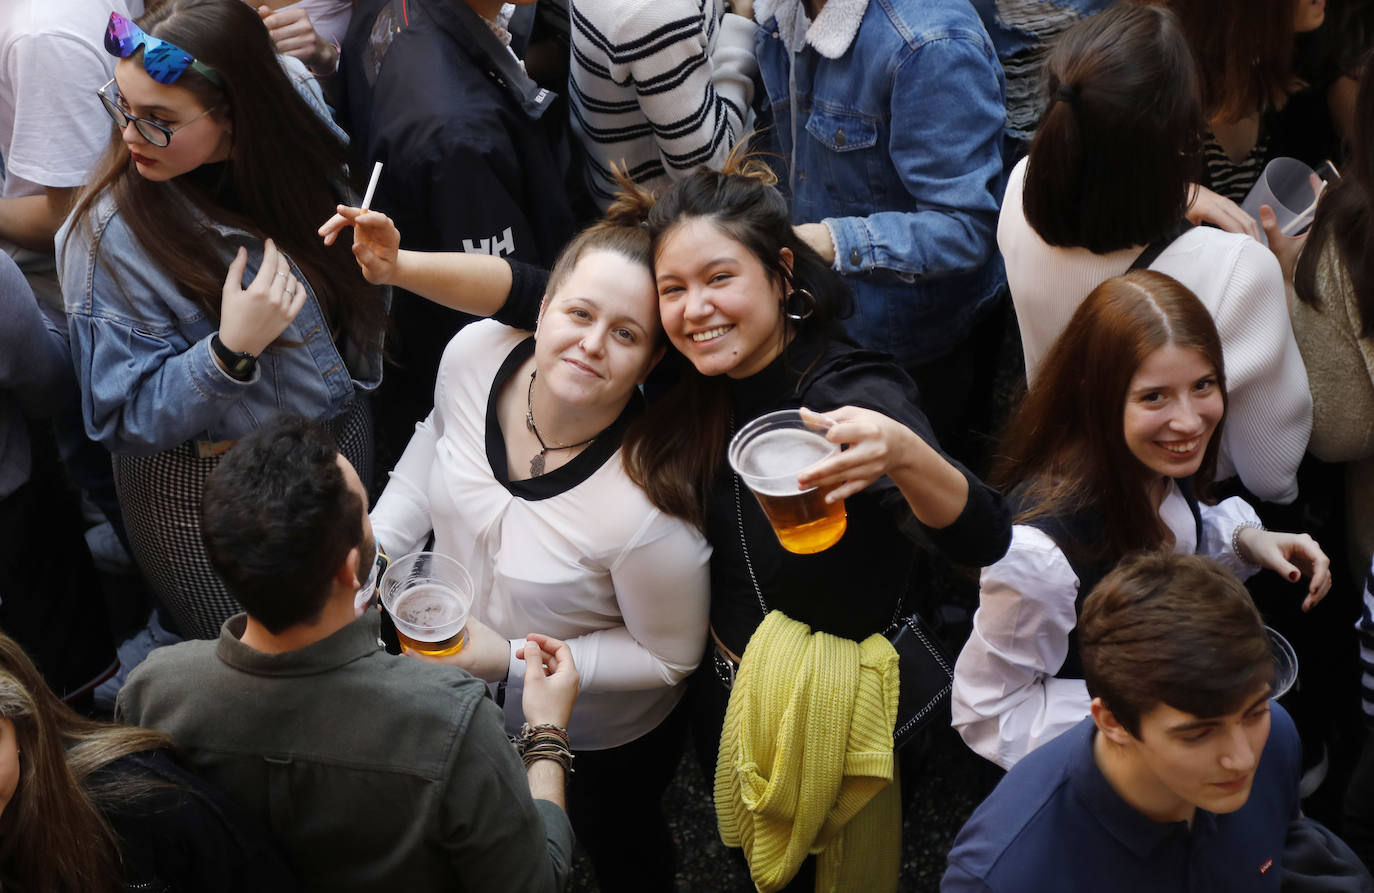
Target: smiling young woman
(1112, 452)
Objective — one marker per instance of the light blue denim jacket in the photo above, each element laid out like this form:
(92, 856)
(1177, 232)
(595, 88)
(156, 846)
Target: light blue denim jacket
(895, 143)
(149, 381)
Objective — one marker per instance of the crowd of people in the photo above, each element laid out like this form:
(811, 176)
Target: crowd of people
(993, 253)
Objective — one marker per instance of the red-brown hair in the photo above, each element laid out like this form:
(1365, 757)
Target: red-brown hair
(1065, 448)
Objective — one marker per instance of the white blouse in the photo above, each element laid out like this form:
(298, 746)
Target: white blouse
(1006, 700)
(579, 553)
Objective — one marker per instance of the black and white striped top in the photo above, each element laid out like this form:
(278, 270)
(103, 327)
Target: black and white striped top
(1233, 179)
(658, 86)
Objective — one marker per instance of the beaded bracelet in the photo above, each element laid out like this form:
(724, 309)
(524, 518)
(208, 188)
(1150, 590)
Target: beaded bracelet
(544, 741)
(1235, 539)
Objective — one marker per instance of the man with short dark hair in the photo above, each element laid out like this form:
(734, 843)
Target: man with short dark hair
(376, 772)
(1185, 776)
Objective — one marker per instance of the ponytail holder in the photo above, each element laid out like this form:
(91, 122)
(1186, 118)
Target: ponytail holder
(1068, 93)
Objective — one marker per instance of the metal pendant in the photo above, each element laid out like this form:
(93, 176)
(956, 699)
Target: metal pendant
(537, 464)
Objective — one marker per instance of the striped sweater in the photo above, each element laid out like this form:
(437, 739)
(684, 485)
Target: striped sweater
(658, 86)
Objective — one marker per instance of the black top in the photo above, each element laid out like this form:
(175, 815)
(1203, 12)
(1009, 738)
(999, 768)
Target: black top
(853, 588)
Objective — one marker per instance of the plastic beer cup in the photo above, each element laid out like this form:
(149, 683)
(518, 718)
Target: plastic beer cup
(428, 596)
(769, 453)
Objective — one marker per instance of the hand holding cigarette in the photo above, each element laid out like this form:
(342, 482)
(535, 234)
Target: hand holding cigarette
(376, 240)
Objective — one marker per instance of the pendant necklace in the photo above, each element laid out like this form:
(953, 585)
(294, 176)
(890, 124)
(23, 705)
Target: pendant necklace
(537, 460)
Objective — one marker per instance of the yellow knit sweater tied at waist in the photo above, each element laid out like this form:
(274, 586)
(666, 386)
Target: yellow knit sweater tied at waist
(806, 762)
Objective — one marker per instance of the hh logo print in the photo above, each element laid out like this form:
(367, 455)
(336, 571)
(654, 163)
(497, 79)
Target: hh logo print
(498, 246)
(1267, 864)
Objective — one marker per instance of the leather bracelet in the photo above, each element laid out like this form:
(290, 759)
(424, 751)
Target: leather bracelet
(1235, 539)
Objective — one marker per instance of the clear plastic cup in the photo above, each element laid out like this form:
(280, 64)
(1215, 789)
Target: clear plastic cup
(769, 453)
(428, 596)
(1285, 662)
(1291, 189)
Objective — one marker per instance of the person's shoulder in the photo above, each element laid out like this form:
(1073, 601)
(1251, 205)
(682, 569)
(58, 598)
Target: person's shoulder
(168, 669)
(1022, 818)
(924, 21)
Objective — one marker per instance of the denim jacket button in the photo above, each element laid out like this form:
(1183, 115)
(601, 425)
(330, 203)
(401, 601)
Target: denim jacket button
(839, 137)
(854, 257)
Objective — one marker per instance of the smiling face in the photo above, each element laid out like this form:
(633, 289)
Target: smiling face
(1203, 763)
(1308, 15)
(1173, 404)
(598, 335)
(721, 308)
(200, 142)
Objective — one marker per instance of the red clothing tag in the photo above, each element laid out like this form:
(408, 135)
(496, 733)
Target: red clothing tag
(1268, 864)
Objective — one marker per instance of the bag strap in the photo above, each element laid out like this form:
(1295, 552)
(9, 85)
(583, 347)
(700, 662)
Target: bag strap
(1156, 248)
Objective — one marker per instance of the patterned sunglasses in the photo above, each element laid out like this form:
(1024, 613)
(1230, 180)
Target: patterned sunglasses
(163, 61)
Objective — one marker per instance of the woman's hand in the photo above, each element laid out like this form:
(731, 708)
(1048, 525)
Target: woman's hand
(876, 445)
(252, 318)
(1208, 207)
(1286, 248)
(1291, 555)
(551, 680)
(294, 34)
(376, 241)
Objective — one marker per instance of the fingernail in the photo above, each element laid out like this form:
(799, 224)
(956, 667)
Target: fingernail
(1293, 576)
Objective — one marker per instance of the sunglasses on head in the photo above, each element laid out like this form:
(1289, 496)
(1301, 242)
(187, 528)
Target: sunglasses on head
(164, 62)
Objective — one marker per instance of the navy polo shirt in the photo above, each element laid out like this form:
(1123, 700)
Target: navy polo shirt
(1054, 823)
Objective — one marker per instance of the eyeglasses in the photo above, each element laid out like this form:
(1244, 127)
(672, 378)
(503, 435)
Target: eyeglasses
(158, 134)
(164, 62)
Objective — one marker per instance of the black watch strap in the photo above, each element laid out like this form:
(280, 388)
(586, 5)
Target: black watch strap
(239, 365)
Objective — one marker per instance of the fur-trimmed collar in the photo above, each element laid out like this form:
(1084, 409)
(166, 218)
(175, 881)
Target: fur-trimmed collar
(832, 32)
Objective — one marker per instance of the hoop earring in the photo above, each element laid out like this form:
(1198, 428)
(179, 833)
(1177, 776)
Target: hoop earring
(799, 304)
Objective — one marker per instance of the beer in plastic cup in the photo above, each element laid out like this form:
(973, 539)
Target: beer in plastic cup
(769, 453)
(428, 596)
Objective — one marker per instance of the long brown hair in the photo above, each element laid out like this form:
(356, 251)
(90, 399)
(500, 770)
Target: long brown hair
(674, 450)
(1244, 51)
(1065, 448)
(284, 167)
(1345, 218)
(53, 838)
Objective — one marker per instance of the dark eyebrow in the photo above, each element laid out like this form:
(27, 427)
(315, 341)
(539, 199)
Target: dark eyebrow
(1182, 728)
(706, 266)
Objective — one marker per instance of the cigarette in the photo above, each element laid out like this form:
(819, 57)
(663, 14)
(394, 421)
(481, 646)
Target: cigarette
(372, 185)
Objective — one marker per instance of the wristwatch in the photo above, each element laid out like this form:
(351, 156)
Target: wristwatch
(240, 366)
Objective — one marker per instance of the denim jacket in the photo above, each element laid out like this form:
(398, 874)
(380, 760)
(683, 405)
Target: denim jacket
(893, 139)
(149, 381)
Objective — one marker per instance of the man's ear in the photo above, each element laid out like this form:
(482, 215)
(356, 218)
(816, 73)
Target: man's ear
(1110, 727)
(347, 574)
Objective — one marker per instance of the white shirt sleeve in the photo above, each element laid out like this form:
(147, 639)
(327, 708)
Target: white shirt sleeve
(1006, 701)
(401, 520)
(60, 129)
(1219, 523)
(662, 585)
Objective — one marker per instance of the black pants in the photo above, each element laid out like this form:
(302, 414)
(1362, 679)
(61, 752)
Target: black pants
(615, 802)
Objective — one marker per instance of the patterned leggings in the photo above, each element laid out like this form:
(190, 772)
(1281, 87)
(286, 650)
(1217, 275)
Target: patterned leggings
(160, 497)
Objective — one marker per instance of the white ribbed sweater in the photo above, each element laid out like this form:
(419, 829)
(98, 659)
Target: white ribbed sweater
(1269, 414)
(658, 86)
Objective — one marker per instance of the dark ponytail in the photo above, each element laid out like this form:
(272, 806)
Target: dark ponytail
(1120, 140)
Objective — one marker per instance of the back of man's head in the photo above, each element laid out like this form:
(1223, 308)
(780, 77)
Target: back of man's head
(279, 519)
(1172, 629)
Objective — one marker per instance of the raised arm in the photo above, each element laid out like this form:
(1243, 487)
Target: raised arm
(480, 284)
(1006, 701)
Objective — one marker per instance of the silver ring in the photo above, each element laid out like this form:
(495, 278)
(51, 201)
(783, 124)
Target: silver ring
(281, 272)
